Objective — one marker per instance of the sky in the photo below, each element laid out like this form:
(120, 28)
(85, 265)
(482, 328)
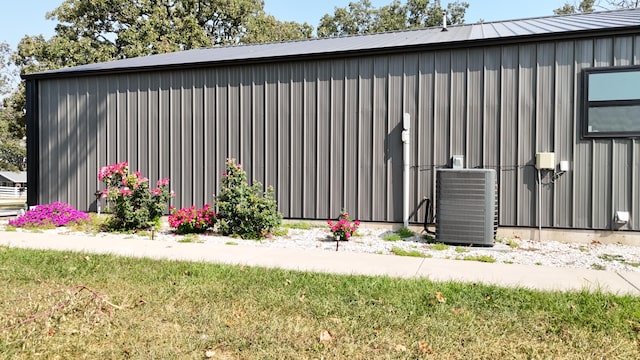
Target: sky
(27, 17)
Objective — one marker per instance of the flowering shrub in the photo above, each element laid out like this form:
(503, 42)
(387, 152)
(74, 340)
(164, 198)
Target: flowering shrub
(245, 210)
(344, 228)
(134, 205)
(55, 214)
(192, 220)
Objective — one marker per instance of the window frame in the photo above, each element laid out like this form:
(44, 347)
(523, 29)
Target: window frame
(586, 104)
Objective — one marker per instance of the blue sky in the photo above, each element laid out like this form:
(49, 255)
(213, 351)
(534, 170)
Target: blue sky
(27, 17)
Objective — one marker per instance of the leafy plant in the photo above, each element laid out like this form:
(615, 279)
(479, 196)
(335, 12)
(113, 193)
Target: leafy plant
(192, 220)
(344, 228)
(50, 215)
(134, 205)
(245, 210)
(405, 233)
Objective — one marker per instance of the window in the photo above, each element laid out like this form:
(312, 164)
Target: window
(612, 102)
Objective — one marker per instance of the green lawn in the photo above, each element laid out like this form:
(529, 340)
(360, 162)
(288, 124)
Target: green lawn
(144, 309)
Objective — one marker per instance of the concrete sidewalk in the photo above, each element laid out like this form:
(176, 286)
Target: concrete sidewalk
(509, 275)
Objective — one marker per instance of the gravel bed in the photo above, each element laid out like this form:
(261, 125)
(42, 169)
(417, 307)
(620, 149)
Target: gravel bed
(517, 251)
(370, 240)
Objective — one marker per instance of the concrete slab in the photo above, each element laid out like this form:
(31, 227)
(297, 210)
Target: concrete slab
(509, 275)
(526, 276)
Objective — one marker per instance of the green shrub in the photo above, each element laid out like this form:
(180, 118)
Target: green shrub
(133, 205)
(245, 210)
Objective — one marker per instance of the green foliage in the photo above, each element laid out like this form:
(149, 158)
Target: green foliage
(91, 31)
(391, 237)
(362, 18)
(585, 6)
(405, 233)
(440, 247)
(401, 252)
(134, 205)
(245, 210)
(480, 258)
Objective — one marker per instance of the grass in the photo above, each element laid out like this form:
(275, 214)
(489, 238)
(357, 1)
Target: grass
(402, 233)
(618, 258)
(144, 309)
(401, 252)
(480, 258)
(440, 247)
(460, 249)
(301, 225)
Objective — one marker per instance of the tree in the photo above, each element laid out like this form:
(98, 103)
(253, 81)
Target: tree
(588, 6)
(585, 6)
(92, 31)
(12, 147)
(264, 28)
(362, 18)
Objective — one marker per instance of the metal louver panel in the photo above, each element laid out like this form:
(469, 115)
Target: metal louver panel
(466, 210)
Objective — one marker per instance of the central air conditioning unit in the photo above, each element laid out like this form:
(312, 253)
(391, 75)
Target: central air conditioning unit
(467, 206)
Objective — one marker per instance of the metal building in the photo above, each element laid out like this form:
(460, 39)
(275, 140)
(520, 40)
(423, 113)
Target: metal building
(321, 120)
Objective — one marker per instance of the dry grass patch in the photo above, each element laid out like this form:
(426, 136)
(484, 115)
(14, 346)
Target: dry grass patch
(168, 309)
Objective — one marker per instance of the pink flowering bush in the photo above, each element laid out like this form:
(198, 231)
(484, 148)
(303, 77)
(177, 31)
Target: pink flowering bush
(55, 214)
(192, 220)
(344, 228)
(134, 206)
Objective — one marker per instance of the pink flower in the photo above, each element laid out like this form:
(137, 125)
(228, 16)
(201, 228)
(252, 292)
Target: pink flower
(105, 193)
(125, 191)
(163, 182)
(173, 194)
(156, 191)
(224, 174)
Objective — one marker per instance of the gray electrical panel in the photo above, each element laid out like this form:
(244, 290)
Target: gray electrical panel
(466, 206)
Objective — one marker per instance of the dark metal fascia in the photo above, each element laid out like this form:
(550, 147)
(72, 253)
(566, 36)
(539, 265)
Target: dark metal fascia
(519, 39)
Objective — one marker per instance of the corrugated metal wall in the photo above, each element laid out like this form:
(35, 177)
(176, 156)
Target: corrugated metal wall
(327, 133)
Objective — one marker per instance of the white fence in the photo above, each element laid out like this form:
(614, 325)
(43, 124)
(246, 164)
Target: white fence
(9, 192)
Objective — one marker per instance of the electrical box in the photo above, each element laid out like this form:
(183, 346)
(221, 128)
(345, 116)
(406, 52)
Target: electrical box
(564, 165)
(546, 161)
(457, 162)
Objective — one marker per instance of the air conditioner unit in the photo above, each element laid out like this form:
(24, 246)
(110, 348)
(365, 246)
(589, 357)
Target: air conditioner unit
(467, 206)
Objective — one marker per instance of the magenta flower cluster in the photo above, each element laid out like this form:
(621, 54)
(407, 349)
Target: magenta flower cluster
(344, 228)
(108, 171)
(133, 205)
(192, 219)
(55, 214)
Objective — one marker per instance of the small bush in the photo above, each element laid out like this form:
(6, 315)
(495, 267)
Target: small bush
(344, 228)
(391, 237)
(243, 210)
(192, 220)
(135, 206)
(50, 215)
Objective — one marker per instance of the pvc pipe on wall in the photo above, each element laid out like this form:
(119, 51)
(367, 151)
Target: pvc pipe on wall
(406, 159)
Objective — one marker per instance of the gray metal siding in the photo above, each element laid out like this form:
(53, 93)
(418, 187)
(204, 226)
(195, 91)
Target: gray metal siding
(326, 133)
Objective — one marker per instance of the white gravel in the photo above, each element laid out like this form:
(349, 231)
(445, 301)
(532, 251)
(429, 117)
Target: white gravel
(518, 251)
(370, 240)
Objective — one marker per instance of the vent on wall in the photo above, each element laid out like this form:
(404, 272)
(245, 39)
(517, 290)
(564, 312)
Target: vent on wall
(467, 206)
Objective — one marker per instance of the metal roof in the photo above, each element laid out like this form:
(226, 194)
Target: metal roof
(15, 177)
(514, 30)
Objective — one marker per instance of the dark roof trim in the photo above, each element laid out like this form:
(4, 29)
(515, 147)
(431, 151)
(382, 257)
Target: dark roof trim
(461, 36)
